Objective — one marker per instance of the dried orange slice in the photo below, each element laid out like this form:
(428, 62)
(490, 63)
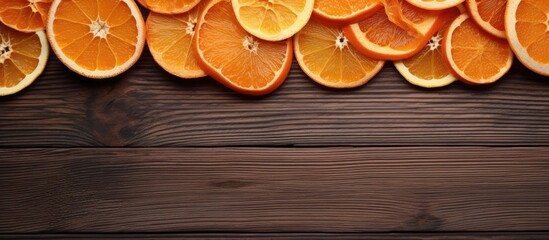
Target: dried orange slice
(97, 39)
(23, 57)
(170, 40)
(333, 11)
(169, 6)
(475, 56)
(379, 37)
(25, 15)
(435, 4)
(427, 68)
(527, 25)
(273, 20)
(235, 58)
(489, 15)
(325, 55)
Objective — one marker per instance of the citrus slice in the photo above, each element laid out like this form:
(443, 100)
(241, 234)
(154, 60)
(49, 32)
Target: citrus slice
(170, 40)
(273, 20)
(489, 15)
(527, 25)
(235, 58)
(333, 11)
(435, 4)
(23, 57)
(324, 54)
(25, 15)
(379, 37)
(473, 55)
(169, 6)
(97, 39)
(427, 68)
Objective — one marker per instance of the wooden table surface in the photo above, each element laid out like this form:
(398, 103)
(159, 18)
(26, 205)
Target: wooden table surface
(150, 156)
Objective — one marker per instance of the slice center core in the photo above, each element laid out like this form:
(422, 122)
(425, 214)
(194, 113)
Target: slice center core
(32, 4)
(250, 44)
(341, 41)
(434, 42)
(99, 29)
(5, 51)
(191, 24)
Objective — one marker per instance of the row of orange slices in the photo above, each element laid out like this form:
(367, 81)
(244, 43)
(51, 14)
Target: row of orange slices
(248, 45)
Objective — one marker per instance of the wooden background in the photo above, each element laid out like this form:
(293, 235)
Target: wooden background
(150, 156)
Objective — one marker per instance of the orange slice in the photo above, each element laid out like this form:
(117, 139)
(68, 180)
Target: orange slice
(25, 15)
(23, 57)
(333, 11)
(527, 25)
(435, 4)
(488, 14)
(169, 6)
(234, 57)
(97, 39)
(273, 20)
(379, 37)
(427, 68)
(170, 39)
(475, 56)
(324, 54)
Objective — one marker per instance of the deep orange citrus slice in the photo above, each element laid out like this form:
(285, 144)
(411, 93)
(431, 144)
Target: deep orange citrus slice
(489, 15)
(334, 11)
(234, 57)
(170, 40)
(25, 15)
(398, 37)
(169, 6)
(97, 39)
(23, 57)
(527, 25)
(325, 55)
(473, 55)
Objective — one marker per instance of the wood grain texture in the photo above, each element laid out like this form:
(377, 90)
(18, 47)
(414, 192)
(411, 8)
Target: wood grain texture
(274, 189)
(147, 107)
(297, 236)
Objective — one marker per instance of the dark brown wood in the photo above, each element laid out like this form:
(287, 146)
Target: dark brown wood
(298, 236)
(274, 189)
(147, 107)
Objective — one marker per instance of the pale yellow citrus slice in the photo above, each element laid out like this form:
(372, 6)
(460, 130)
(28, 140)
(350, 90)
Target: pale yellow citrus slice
(435, 4)
(427, 68)
(273, 20)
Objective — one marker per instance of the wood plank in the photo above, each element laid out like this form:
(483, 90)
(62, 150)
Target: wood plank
(297, 236)
(274, 189)
(148, 107)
